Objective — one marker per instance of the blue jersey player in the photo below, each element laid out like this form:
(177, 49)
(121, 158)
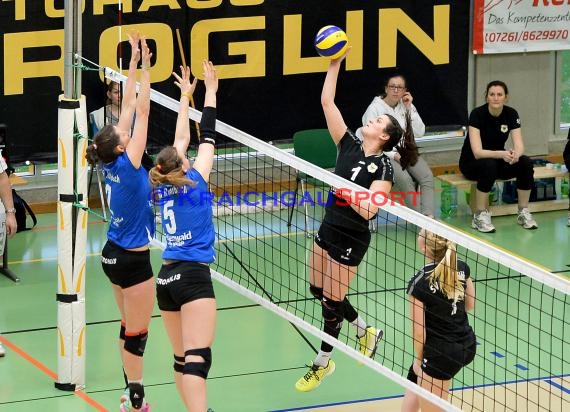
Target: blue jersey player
(126, 256)
(184, 290)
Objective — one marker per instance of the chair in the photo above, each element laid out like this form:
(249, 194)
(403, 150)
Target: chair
(317, 147)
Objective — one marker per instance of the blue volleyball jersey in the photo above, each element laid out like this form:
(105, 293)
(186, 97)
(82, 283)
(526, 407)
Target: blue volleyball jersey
(127, 190)
(187, 221)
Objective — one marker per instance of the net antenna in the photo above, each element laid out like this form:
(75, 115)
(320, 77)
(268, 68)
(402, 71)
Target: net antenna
(183, 59)
(519, 308)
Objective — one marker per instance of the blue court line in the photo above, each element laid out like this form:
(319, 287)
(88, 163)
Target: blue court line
(498, 355)
(483, 385)
(324, 405)
(556, 385)
(521, 367)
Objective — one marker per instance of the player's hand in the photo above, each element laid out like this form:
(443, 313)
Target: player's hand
(134, 39)
(210, 76)
(339, 59)
(183, 81)
(146, 54)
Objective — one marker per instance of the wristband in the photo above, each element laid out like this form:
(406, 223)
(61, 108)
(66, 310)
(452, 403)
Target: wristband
(208, 140)
(186, 94)
(13, 210)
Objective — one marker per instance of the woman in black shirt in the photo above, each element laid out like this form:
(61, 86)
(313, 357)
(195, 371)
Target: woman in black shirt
(485, 159)
(440, 293)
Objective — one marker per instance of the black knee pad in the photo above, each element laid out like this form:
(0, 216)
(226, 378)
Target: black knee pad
(179, 362)
(136, 394)
(333, 315)
(122, 331)
(333, 311)
(316, 292)
(136, 344)
(200, 369)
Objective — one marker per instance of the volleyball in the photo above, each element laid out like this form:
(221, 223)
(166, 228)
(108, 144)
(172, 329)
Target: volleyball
(331, 42)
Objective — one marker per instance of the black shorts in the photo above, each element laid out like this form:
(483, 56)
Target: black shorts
(442, 360)
(412, 377)
(345, 246)
(125, 268)
(182, 282)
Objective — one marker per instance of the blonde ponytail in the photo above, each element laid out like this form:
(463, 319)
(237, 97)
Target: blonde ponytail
(445, 275)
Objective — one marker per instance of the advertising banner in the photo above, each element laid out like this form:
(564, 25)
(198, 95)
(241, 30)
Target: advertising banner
(270, 74)
(520, 26)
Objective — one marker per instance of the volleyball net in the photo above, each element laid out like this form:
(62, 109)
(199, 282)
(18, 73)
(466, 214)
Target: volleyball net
(522, 311)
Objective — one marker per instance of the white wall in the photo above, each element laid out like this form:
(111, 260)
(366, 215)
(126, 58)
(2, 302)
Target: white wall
(531, 79)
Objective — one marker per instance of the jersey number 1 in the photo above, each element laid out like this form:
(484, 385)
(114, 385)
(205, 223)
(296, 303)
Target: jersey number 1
(355, 173)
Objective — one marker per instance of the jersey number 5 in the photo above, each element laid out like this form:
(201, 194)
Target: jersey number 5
(168, 220)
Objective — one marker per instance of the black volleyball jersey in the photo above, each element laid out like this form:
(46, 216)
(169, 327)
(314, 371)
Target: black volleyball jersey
(444, 319)
(354, 166)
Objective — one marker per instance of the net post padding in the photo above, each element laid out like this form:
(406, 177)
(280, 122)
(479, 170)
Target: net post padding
(72, 120)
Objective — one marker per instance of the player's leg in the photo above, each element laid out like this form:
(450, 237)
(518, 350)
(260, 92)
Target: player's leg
(138, 305)
(173, 326)
(198, 327)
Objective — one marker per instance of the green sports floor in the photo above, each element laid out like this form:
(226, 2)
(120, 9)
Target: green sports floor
(257, 355)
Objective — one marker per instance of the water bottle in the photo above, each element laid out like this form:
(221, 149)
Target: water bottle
(495, 195)
(564, 188)
(448, 200)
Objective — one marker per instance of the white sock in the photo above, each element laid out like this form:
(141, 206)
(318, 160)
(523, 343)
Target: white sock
(360, 326)
(322, 359)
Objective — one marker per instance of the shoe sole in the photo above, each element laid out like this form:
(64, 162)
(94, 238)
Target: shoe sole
(145, 408)
(379, 336)
(528, 228)
(483, 231)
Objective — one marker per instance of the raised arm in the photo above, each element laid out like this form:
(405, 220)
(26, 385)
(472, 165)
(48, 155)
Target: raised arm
(335, 122)
(136, 146)
(182, 133)
(205, 157)
(129, 102)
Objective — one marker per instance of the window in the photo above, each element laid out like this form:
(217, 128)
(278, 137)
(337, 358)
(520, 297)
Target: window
(564, 87)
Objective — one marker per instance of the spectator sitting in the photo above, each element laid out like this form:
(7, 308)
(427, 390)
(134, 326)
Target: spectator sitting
(485, 159)
(396, 100)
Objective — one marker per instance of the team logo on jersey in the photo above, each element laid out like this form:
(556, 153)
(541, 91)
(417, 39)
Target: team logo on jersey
(504, 128)
(372, 167)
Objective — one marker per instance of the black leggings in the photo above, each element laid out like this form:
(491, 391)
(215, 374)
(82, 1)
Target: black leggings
(566, 153)
(486, 171)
